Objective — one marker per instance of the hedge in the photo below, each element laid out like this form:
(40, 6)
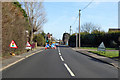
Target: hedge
(94, 39)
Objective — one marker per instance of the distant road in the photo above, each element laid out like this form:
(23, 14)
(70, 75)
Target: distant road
(62, 62)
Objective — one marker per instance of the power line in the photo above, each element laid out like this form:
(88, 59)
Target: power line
(75, 20)
(82, 10)
(86, 5)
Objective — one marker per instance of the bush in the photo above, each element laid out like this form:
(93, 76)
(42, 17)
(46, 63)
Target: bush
(39, 38)
(17, 4)
(94, 39)
(13, 28)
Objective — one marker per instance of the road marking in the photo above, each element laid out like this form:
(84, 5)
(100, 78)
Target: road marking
(18, 60)
(28, 55)
(58, 49)
(12, 64)
(71, 73)
(61, 58)
(60, 54)
(69, 70)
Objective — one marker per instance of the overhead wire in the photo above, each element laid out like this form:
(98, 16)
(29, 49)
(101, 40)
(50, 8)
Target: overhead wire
(82, 10)
(75, 20)
(87, 5)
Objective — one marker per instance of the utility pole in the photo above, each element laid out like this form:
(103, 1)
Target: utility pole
(79, 28)
(70, 30)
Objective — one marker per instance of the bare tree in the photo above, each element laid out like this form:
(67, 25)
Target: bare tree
(89, 27)
(36, 16)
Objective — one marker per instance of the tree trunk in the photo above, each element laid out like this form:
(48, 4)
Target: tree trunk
(31, 37)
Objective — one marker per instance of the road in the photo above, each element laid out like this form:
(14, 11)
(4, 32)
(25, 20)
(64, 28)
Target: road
(62, 62)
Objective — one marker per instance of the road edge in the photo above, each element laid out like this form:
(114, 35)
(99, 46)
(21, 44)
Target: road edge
(100, 60)
(19, 60)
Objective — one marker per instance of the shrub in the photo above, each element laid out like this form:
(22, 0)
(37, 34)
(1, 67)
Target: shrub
(94, 39)
(39, 38)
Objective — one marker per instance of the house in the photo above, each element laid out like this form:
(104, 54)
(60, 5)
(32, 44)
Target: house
(113, 29)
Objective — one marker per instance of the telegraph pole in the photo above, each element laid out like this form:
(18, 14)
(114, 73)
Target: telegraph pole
(79, 28)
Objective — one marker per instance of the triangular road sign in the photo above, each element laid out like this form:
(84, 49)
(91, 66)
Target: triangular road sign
(102, 45)
(28, 44)
(13, 45)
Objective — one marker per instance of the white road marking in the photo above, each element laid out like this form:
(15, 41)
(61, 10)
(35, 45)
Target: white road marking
(69, 70)
(60, 54)
(61, 58)
(12, 64)
(19, 60)
(58, 49)
(71, 73)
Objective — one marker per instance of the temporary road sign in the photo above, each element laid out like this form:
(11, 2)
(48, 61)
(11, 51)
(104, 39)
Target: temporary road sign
(28, 46)
(13, 45)
(101, 47)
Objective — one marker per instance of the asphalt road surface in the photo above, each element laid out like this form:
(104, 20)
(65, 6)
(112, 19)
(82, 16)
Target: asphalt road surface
(62, 62)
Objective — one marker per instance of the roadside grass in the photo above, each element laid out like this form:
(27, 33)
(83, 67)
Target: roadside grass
(96, 48)
(16, 52)
(88, 48)
(110, 54)
(7, 55)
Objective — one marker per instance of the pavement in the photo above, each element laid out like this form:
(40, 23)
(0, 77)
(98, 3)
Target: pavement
(113, 62)
(62, 62)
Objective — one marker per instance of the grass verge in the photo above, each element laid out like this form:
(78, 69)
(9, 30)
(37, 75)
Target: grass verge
(96, 48)
(110, 54)
(7, 55)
